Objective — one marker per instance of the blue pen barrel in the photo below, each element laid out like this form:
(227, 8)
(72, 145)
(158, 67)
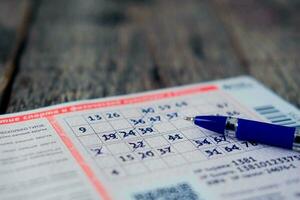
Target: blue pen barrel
(243, 129)
(260, 132)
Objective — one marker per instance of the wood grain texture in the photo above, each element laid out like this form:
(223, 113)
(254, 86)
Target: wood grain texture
(266, 36)
(13, 14)
(88, 49)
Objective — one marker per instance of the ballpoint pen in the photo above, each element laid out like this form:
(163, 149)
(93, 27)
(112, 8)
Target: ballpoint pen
(249, 130)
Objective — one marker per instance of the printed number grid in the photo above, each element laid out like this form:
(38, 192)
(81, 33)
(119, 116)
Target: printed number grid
(140, 139)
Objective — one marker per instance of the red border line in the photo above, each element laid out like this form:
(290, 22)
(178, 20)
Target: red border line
(109, 103)
(84, 166)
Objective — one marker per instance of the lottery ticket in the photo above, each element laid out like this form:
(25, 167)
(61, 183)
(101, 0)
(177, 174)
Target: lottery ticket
(139, 147)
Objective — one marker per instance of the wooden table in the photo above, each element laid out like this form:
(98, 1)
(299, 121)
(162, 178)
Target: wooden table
(57, 51)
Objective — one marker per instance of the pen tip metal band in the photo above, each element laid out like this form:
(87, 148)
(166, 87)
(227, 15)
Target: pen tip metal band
(190, 118)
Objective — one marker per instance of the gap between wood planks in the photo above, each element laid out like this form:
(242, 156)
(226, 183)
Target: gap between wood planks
(12, 64)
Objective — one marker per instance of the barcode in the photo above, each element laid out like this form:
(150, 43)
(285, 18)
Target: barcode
(182, 191)
(275, 116)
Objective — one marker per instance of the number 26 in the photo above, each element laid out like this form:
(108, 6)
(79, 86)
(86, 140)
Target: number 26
(112, 115)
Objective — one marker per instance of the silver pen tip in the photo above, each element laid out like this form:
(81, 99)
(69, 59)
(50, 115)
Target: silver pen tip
(189, 118)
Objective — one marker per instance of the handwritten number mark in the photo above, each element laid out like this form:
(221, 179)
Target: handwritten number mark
(146, 130)
(147, 110)
(126, 158)
(127, 134)
(82, 129)
(137, 145)
(92, 118)
(146, 154)
(110, 136)
(98, 151)
(112, 115)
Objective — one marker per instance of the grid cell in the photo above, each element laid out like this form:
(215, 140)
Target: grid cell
(155, 164)
(93, 117)
(164, 127)
(98, 151)
(194, 156)
(89, 140)
(118, 148)
(131, 113)
(75, 121)
(193, 133)
(120, 124)
(174, 137)
(106, 161)
(182, 123)
(157, 141)
(115, 172)
(83, 130)
(102, 127)
(135, 169)
(175, 160)
(184, 146)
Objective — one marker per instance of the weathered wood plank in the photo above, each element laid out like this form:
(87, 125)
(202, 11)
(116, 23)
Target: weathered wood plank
(87, 49)
(188, 42)
(268, 40)
(80, 51)
(13, 15)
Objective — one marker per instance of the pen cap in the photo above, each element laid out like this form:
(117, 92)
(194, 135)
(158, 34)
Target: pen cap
(266, 133)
